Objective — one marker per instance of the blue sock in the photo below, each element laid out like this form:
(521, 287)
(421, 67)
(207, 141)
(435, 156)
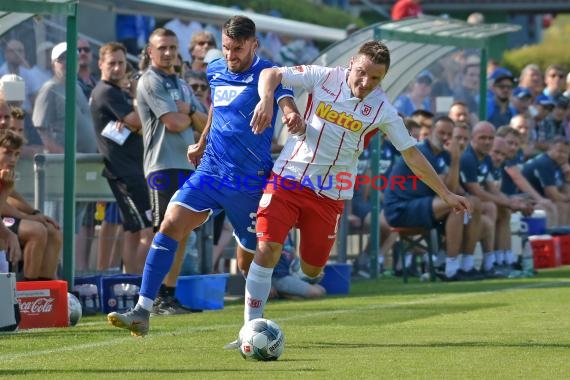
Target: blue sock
(158, 263)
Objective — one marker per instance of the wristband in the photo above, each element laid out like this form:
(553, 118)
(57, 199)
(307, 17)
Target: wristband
(192, 109)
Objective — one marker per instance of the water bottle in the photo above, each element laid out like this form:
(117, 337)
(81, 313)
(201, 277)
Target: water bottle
(3, 262)
(527, 260)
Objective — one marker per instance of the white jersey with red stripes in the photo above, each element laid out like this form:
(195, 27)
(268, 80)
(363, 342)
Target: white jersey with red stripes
(338, 124)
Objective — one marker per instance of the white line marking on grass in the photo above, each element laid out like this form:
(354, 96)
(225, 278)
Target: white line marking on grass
(424, 299)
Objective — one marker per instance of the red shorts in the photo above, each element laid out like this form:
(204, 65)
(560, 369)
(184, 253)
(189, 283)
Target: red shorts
(284, 207)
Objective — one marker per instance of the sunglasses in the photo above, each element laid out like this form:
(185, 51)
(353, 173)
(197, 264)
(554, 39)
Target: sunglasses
(201, 87)
(85, 49)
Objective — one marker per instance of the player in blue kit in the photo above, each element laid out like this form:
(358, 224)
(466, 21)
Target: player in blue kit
(234, 165)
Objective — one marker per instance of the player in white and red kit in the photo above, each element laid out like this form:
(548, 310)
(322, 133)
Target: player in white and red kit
(345, 106)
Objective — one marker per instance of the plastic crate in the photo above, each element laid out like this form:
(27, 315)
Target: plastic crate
(202, 292)
(564, 243)
(119, 292)
(544, 251)
(87, 289)
(337, 278)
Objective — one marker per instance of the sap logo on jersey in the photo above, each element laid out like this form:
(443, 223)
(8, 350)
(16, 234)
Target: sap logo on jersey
(224, 95)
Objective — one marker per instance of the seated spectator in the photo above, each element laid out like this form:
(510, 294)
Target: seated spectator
(513, 182)
(39, 235)
(554, 124)
(549, 174)
(419, 96)
(17, 125)
(459, 113)
(468, 90)
(542, 108)
(425, 119)
(521, 124)
(8, 239)
(415, 205)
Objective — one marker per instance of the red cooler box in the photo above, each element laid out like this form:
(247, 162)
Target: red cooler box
(564, 241)
(545, 250)
(42, 304)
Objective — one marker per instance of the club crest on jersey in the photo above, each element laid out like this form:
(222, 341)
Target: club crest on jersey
(342, 119)
(298, 69)
(225, 95)
(366, 109)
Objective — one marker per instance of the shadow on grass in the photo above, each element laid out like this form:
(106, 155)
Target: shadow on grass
(159, 371)
(358, 345)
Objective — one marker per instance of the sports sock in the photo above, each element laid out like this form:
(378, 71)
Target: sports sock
(257, 287)
(467, 263)
(158, 263)
(510, 257)
(451, 266)
(488, 261)
(499, 257)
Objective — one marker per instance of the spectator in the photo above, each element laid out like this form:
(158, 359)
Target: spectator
(49, 119)
(42, 69)
(531, 78)
(17, 125)
(406, 8)
(86, 79)
(16, 63)
(554, 77)
(554, 124)
(468, 90)
(419, 96)
(542, 108)
(184, 30)
(459, 113)
(39, 235)
(425, 119)
(499, 110)
(549, 174)
(113, 108)
(521, 101)
(12, 90)
(200, 43)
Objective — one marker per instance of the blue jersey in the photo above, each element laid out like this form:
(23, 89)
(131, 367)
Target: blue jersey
(472, 170)
(413, 188)
(542, 171)
(232, 150)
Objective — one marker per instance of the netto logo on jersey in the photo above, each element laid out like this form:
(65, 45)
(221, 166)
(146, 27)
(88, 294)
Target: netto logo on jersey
(224, 95)
(341, 119)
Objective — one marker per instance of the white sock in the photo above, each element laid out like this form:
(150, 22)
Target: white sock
(257, 287)
(499, 257)
(467, 263)
(488, 261)
(510, 257)
(145, 303)
(451, 266)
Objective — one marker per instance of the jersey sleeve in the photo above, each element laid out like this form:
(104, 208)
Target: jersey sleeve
(304, 76)
(393, 126)
(468, 169)
(546, 174)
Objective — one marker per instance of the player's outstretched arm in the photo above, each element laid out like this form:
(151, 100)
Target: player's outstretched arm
(195, 151)
(422, 168)
(269, 79)
(291, 116)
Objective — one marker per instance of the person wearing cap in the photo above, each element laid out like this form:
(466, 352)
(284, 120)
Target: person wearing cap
(200, 43)
(542, 107)
(49, 119)
(499, 110)
(520, 101)
(554, 124)
(419, 96)
(554, 80)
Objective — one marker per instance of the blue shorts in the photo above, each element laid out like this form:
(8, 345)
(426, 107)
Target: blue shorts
(202, 192)
(413, 213)
(112, 214)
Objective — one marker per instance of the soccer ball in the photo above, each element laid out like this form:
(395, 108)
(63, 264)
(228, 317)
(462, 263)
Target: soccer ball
(74, 309)
(261, 339)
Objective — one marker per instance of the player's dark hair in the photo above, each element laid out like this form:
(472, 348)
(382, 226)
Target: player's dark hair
(9, 139)
(239, 28)
(377, 52)
(443, 118)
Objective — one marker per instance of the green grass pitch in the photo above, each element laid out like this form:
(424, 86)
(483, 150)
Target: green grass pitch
(499, 329)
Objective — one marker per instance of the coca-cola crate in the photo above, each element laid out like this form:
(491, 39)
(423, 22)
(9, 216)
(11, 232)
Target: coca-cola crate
(119, 292)
(88, 293)
(42, 304)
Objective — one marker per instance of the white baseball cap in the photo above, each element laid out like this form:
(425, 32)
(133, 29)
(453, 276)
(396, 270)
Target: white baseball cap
(58, 50)
(13, 87)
